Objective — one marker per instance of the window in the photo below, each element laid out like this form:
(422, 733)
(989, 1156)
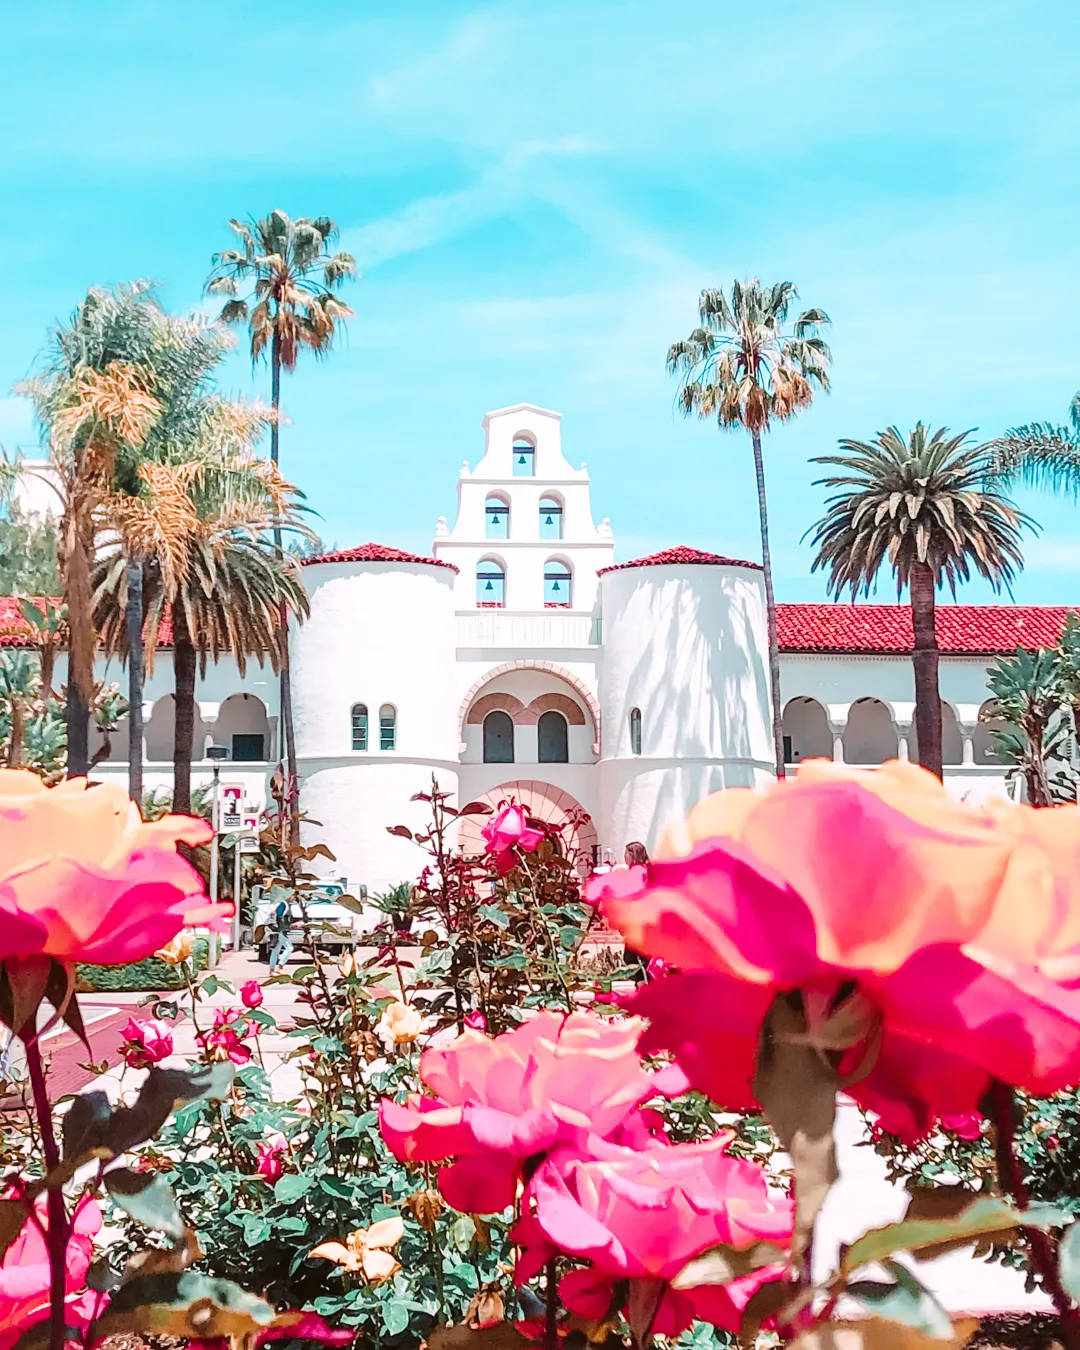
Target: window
(387, 726)
(248, 747)
(498, 738)
(490, 584)
(496, 518)
(551, 739)
(551, 512)
(359, 726)
(556, 584)
(635, 731)
(524, 457)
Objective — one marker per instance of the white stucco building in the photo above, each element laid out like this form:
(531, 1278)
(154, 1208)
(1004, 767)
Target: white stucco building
(520, 659)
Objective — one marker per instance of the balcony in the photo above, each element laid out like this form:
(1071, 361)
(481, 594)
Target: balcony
(521, 628)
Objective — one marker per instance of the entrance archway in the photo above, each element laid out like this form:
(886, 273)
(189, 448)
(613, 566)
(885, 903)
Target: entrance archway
(543, 802)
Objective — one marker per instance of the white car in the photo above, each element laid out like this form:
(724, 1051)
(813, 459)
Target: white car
(328, 916)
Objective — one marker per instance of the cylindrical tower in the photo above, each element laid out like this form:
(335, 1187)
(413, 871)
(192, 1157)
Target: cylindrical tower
(684, 688)
(375, 706)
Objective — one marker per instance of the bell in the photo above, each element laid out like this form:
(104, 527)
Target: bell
(548, 520)
(489, 587)
(521, 459)
(554, 585)
(494, 518)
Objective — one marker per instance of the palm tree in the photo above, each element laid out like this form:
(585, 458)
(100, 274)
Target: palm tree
(744, 368)
(1040, 454)
(921, 504)
(1030, 700)
(224, 589)
(288, 275)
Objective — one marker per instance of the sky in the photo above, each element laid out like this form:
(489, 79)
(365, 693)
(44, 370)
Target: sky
(535, 194)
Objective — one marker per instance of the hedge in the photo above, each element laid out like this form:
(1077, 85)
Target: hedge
(151, 974)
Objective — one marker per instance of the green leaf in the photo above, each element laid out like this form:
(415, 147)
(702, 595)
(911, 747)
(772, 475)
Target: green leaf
(85, 1121)
(1069, 1260)
(395, 1316)
(985, 1215)
(210, 986)
(147, 1197)
(341, 1190)
(187, 1304)
(906, 1300)
(462, 1232)
(290, 1188)
(722, 1264)
(161, 1092)
(493, 914)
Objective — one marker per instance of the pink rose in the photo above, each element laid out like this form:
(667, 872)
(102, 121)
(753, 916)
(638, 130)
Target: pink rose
(965, 1126)
(145, 1042)
(24, 1271)
(475, 1021)
(501, 1100)
(270, 1157)
(301, 1326)
(506, 831)
(85, 878)
(225, 1041)
(251, 994)
(874, 889)
(640, 1215)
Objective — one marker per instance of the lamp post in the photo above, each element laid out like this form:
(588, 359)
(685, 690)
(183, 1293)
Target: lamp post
(215, 754)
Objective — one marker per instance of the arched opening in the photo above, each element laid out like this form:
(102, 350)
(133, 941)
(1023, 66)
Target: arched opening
(498, 738)
(551, 516)
(552, 739)
(952, 742)
(983, 740)
(558, 584)
(496, 517)
(869, 736)
(565, 818)
(635, 731)
(490, 584)
(160, 734)
(387, 727)
(524, 456)
(359, 726)
(806, 731)
(242, 726)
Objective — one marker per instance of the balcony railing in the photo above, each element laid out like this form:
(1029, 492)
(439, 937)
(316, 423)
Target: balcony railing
(510, 628)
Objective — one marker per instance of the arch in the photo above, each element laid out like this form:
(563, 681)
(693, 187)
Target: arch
(523, 455)
(568, 677)
(359, 720)
(869, 734)
(552, 739)
(498, 737)
(983, 740)
(558, 584)
(159, 732)
(551, 515)
(497, 516)
(553, 703)
(634, 724)
(489, 703)
(387, 727)
(542, 802)
(952, 741)
(806, 731)
(490, 583)
(243, 727)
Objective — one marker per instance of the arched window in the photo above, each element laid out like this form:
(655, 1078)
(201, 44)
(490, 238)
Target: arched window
(524, 457)
(387, 726)
(635, 731)
(490, 584)
(496, 518)
(557, 585)
(359, 726)
(552, 739)
(551, 517)
(498, 738)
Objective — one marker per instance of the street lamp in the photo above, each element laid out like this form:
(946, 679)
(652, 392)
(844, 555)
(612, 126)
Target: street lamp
(215, 754)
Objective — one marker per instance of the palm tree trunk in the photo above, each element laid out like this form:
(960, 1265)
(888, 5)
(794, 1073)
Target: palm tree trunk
(292, 780)
(77, 715)
(78, 549)
(925, 658)
(184, 711)
(133, 619)
(18, 732)
(770, 612)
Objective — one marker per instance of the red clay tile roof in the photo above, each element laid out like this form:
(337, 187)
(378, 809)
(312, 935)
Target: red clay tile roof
(376, 553)
(681, 555)
(14, 629)
(962, 630)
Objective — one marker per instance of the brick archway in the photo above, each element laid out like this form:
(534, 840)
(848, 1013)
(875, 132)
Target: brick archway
(549, 667)
(543, 802)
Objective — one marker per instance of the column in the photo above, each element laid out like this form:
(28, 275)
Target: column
(968, 753)
(838, 747)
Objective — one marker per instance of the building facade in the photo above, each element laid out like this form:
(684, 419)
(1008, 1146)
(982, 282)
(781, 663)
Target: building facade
(520, 660)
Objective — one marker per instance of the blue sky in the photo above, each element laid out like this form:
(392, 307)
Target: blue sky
(536, 192)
